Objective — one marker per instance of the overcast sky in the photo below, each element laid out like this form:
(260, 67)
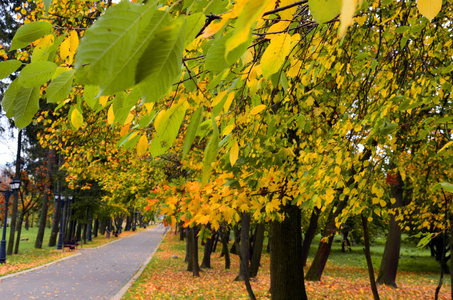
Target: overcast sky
(8, 144)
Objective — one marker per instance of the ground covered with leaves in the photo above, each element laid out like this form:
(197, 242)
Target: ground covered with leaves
(166, 278)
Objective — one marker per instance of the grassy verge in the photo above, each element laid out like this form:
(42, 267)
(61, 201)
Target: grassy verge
(345, 276)
(30, 257)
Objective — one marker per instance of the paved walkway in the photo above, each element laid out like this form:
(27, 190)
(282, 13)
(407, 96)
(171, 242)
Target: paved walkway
(95, 274)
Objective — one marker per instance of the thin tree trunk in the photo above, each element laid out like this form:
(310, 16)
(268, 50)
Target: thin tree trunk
(55, 223)
(257, 250)
(12, 230)
(206, 262)
(323, 252)
(44, 205)
(390, 258)
(193, 253)
(368, 257)
(225, 249)
(287, 272)
(310, 234)
(19, 231)
(96, 227)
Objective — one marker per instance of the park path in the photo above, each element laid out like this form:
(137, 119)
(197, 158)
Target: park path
(97, 273)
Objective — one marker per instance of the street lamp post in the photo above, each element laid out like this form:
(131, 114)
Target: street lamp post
(14, 187)
(60, 235)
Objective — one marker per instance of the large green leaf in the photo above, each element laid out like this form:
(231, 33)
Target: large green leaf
(324, 10)
(37, 73)
(60, 87)
(168, 130)
(89, 95)
(26, 105)
(30, 32)
(8, 98)
(210, 152)
(215, 58)
(191, 133)
(160, 64)
(108, 44)
(124, 76)
(8, 67)
(121, 108)
(443, 185)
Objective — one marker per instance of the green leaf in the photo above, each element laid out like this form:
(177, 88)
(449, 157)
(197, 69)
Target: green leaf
(108, 45)
(121, 108)
(160, 64)
(8, 98)
(194, 24)
(37, 73)
(191, 133)
(168, 130)
(215, 58)
(89, 95)
(60, 87)
(324, 10)
(47, 4)
(8, 67)
(448, 187)
(26, 105)
(210, 153)
(28, 33)
(402, 29)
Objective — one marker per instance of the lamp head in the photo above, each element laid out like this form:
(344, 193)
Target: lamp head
(14, 185)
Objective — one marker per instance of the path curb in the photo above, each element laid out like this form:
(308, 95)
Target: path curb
(126, 287)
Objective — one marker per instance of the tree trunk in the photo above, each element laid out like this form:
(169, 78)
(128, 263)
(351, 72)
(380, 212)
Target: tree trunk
(44, 205)
(390, 258)
(12, 230)
(193, 252)
(310, 234)
(225, 250)
(287, 275)
(55, 223)
(323, 252)
(257, 250)
(368, 257)
(206, 263)
(19, 231)
(96, 227)
(182, 234)
(243, 244)
(79, 231)
(451, 256)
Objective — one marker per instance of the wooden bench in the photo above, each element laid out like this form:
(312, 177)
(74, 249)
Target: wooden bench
(72, 245)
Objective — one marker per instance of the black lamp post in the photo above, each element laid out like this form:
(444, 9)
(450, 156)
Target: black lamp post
(60, 235)
(14, 187)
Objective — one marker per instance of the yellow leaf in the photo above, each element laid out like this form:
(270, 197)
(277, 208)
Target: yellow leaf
(158, 119)
(382, 203)
(103, 100)
(347, 12)
(445, 146)
(227, 130)
(234, 153)
(129, 119)
(64, 49)
(142, 145)
(124, 130)
(370, 219)
(257, 109)
(228, 101)
(275, 54)
(76, 118)
(337, 170)
(251, 11)
(219, 98)
(149, 106)
(74, 41)
(429, 8)
(110, 116)
(287, 14)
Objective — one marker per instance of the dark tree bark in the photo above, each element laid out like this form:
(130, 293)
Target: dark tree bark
(55, 223)
(193, 252)
(451, 248)
(206, 262)
(44, 205)
(79, 231)
(390, 258)
(12, 230)
(310, 234)
(368, 258)
(323, 252)
(257, 250)
(225, 251)
(287, 276)
(19, 231)
(96, 227)
(182, 232)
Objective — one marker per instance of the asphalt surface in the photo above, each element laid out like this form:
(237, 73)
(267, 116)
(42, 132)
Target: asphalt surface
(94, 274)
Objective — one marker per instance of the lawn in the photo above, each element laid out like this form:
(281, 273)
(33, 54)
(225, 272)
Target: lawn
(345, 276)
